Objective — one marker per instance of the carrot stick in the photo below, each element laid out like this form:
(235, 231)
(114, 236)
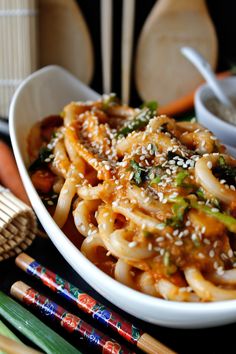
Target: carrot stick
(186, 102)
(9, 174)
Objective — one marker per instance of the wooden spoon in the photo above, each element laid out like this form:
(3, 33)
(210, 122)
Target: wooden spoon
(161, 71)
(64, 38)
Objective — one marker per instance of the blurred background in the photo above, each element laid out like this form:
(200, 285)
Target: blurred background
(221, 12)
(41, 31)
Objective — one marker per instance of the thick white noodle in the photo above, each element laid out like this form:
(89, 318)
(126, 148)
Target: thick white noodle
(169, 291)
(65, 197)
(115, 240)
(208, 181)
(61, 163)
(82, 215)
(144, 221)
(123, 274)
(90, 247)
(228, 277)
(146, 284)
(205, 289)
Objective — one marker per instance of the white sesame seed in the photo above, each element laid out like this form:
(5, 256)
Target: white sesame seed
(209, 165)
(214, 210)
(150, 246)
(220, 270)
(159, 239)
(132, 244)
(131, 175)
(175, 233)
(230, 253)
(179, 243)
(206, 241)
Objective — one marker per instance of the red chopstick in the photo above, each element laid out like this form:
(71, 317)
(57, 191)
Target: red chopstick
(67, 320)
(86, 303)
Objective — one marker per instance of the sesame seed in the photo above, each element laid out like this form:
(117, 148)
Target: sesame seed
(180, 162)
(214, 210)
(131, 175)
(206, 241)
(159, 239)
(132, 244)
(220, 270)
(209, 165)
(50, 202)
(150, 246)
(230, 253)
(179, 243)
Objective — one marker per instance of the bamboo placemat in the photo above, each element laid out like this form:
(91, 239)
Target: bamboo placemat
(18, 47)
(18, 225)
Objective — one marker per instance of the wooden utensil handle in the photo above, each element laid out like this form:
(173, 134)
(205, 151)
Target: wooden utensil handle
(180, 5)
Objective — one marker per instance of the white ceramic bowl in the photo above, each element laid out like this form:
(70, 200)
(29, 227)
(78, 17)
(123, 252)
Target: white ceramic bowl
(46, 92)
(223, 130)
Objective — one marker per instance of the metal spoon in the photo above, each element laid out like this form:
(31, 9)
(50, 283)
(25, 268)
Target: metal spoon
(205, 69)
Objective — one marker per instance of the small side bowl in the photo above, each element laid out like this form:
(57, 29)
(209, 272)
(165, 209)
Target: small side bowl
(226, 132)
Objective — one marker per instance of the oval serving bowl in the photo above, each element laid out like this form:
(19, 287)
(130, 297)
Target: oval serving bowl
(46, 92)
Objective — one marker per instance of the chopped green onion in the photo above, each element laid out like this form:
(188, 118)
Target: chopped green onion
(152, 105)
(227, 220)
(156, 180)
(179, 208)
(139, 172)
(221, 161)
(33, 328)
(139, 122)
(180, 177)
(108, 101)
(5, 331)
(200, 193)
(147, 234)
(166, 259)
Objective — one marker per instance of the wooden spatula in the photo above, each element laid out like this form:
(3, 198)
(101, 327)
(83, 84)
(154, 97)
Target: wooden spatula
(64, 38)
(162, 73)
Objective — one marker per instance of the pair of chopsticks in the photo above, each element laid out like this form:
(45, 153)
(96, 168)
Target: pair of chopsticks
(86, 303)
(126, 46)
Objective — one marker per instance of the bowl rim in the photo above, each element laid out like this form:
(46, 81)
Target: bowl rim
(221, 307)
(198, 102)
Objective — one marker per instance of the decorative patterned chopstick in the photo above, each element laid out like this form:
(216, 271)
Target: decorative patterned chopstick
(67, 320)
(86, 303)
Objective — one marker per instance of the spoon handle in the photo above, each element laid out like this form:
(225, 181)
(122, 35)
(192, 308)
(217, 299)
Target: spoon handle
(205, 69)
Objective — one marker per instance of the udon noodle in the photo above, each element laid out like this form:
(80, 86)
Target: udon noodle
(153, 198)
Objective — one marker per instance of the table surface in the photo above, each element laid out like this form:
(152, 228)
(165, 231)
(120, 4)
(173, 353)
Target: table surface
(212, 340)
